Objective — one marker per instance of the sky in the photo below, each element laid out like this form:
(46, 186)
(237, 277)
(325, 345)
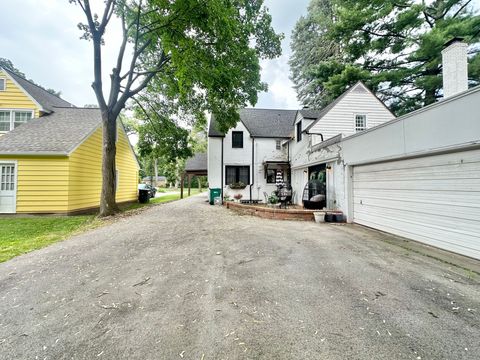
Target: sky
(47, 48)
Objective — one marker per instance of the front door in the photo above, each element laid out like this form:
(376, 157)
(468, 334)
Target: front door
(8, 184)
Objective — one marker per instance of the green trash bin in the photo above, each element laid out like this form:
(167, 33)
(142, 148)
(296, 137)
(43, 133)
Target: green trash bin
(214, 192)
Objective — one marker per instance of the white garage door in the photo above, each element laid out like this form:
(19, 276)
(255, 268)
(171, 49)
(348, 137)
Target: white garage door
(434, 199)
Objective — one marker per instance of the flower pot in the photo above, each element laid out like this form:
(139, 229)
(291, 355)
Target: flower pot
(319, 216)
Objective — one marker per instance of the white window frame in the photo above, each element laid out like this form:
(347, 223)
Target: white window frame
(12, 117)
(4, 83)
(15, 163)
(358, 129)
(278, 144)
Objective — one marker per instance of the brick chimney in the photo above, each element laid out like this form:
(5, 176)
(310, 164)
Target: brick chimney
(455, 67)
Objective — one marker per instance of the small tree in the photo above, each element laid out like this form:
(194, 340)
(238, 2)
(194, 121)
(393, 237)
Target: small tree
(203, 53)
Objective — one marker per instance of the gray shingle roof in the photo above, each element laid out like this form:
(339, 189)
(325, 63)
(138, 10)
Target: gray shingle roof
(270, 123)
(310, 113)
(43, 97)
(58, 133)
(197, 162)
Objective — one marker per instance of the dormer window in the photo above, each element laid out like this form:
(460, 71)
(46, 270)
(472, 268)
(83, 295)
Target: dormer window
(278, 144)
(360, 122)
(3, 84)
(237, 139)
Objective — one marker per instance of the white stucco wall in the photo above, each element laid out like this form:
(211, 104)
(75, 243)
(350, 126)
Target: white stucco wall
(264, 150)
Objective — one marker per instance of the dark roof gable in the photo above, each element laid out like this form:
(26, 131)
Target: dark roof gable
(46, 100)
(268, 123)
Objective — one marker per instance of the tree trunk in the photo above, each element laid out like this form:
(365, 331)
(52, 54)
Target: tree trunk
(156, 171)
(108, 205)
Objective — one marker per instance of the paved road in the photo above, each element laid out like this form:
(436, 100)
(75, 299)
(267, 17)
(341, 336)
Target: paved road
(192, 281)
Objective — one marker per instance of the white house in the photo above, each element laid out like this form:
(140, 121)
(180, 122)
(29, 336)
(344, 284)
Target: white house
(268, 143)
(252, 153)
(314, 150)
(417, 176)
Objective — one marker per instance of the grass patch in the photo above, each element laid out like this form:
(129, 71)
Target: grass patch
(20, 235)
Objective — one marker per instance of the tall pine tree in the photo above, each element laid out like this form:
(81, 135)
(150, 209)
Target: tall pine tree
(392, 45)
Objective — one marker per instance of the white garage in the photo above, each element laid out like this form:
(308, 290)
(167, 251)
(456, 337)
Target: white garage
(432, 199)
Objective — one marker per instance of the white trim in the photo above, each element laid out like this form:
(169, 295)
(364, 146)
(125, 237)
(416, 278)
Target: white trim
(4, 78)
(355, 122)
(40, 107)
(15, 163)
(324, 161)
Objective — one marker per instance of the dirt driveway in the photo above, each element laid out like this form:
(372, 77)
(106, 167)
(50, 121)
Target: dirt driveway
(186, 280)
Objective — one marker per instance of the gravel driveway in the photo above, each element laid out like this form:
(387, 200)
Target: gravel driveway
(188, 280)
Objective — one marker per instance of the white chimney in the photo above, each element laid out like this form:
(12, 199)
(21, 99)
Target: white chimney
(455, 67)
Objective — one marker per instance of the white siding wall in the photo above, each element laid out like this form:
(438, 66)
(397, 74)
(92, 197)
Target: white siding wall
(214, 161)
(341, 118)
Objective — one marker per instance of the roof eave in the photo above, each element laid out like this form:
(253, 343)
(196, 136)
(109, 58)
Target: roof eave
(34, 153)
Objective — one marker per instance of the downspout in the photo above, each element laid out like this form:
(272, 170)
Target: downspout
(253, 167)
(221, 172)
(289, 165)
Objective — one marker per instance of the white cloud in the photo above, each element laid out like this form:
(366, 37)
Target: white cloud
(48, 49)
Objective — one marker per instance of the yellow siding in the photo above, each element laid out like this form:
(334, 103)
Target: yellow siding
(63, 184)
(42, 184)
(85, 173)
(15, 98)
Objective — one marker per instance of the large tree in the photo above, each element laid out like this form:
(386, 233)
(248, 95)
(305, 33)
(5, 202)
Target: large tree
(315, 55)
(395, 47)
(201, 54)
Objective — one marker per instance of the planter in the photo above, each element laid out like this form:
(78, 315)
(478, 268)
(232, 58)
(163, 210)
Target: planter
(319, 216)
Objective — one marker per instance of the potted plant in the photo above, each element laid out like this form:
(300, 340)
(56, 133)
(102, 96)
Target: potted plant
(237, 197)
(273, 200)
(238, 185)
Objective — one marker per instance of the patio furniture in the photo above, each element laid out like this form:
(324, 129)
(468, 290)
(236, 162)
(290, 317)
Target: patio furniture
(314, 195)
(284, 194)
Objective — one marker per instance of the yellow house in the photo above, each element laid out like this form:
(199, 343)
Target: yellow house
(52, 164)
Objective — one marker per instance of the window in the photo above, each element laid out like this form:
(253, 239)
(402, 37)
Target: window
(4, 120)
(278, 144)
(360, 122)
(10, 119)
(236, 174)
(3, 84)
(7, 177)
(299, 131)
(237, 139)
(21, 117)
(274, 176)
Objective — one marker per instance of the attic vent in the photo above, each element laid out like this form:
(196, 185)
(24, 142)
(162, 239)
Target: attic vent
(359, 89)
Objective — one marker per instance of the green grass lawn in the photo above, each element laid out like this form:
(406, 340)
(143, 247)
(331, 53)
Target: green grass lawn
(170, 196)
(20, 235)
